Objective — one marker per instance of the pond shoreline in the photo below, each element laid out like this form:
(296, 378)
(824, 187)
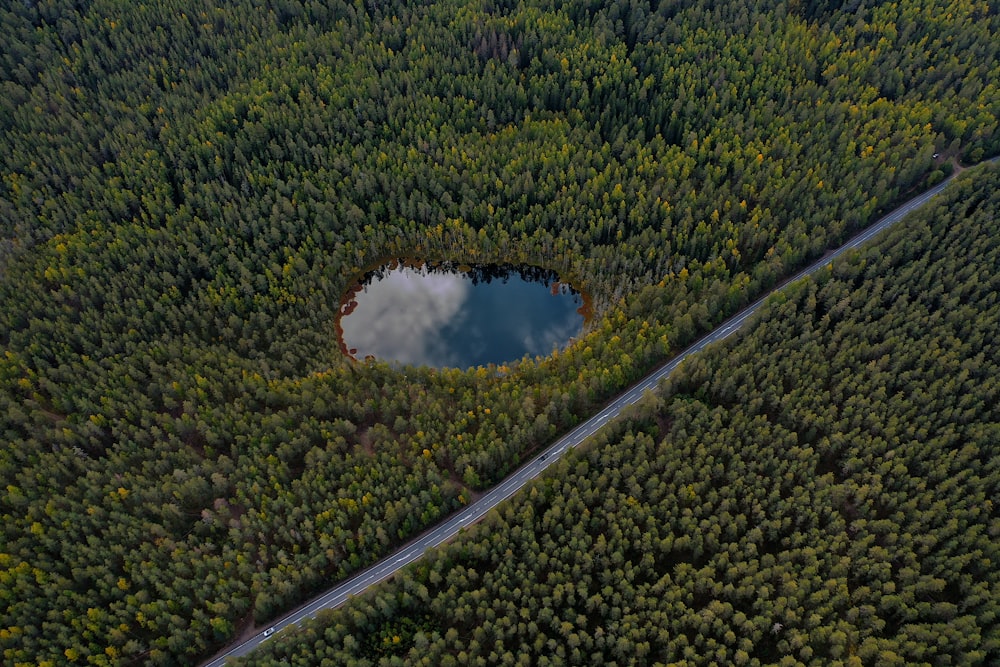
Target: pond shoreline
(474, 276)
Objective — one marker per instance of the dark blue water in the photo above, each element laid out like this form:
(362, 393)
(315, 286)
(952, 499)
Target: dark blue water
(444, 317)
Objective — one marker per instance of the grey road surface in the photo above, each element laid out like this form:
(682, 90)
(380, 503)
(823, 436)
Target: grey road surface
(472, 513)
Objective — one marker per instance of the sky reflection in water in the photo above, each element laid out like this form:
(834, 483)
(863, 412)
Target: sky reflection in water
(439, 318)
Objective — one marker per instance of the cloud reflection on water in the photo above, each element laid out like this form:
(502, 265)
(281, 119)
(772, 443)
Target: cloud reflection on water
(554, 336)
(400, 316)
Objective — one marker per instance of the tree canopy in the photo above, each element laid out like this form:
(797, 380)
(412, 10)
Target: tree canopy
(187, 190)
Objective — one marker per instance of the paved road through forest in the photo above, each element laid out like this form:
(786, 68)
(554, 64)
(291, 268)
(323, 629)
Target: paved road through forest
(472, 513)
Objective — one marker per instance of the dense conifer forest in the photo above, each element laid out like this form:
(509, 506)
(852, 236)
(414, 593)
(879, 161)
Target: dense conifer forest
(187, 189)
(822, 490)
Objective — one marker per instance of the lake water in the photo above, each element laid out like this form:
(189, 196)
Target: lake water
(445, 317)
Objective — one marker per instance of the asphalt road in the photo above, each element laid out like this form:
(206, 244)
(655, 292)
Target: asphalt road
(470, 514)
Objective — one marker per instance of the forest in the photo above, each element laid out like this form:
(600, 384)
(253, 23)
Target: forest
(187, 190)
(822, 490)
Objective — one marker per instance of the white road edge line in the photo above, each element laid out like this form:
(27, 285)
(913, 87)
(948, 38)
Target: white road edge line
(435, 534)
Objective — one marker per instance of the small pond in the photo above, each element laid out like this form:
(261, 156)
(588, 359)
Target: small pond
(447, 315)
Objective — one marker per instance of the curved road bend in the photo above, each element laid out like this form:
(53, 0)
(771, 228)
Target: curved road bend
(470, 514)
